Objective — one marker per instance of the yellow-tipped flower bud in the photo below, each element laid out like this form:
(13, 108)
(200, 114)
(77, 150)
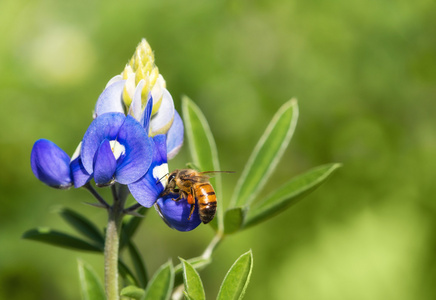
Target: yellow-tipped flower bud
(142, 67)
(129, 88)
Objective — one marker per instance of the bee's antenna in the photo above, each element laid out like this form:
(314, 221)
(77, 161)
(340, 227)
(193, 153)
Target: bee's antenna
(162, 178)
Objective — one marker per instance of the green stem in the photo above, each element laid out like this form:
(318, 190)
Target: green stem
(111, 249)
(100, 199)
(207, 254)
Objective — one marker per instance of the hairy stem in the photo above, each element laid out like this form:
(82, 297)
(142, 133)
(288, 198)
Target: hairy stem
(111, 257)
(111, 249)
(212, 245)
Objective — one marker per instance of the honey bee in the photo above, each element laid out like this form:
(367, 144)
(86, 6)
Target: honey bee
(192, 185)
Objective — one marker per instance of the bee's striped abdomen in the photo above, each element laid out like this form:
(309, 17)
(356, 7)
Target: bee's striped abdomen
(206, 200)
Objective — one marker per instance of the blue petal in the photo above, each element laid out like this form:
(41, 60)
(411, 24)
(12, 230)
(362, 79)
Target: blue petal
(175, 136)
(160, 149)
(148, 188)
(139, 151)
(147, 115)
(110, 100)
(78, 172)
(105, 164)
(105, 126)
(176, 213)
(50, 164)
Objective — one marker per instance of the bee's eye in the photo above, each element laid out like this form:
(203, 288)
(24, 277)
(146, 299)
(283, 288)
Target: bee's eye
(171, 177)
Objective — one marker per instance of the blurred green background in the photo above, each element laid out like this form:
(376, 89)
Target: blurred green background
(364, 73)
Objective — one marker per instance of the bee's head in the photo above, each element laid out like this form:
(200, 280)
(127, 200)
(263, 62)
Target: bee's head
(172, 178)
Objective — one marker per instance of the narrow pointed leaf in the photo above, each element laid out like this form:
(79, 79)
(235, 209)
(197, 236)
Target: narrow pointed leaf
(236, 281)
(202, 147)
(187, 297)
(266, 154)
(82, 225)
(90, 284)
(197, 262)
(133, 292)
(127, 275)
(161, 285)
(233, 219)
(289, 194)
(138, 263)
(193, 284)
(129, 227)
(60, 239)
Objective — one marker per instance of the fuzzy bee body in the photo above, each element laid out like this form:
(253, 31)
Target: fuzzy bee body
(195, 187)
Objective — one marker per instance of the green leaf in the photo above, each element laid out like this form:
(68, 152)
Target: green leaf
(202, 147)
(187, 297)
(130, 226)
(193, 284)
(82, 225)
(132, 291)
(198, 263)
(233, 219)
(139, 265)
(266, 154)
(190, 165)
(60, 239)
(289, 194)
(237, 278)
(90, 284)
(126, 274)
(161, 285)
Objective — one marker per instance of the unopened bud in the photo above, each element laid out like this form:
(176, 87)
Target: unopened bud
(142, 67)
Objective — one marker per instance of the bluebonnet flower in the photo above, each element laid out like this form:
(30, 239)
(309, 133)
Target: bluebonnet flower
(143, 97)
(135, 131)
(130, 92)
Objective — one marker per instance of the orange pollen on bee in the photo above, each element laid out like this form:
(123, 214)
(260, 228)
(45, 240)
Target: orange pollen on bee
(191, 199)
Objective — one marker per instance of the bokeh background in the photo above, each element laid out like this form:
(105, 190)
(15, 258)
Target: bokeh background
(364, 73)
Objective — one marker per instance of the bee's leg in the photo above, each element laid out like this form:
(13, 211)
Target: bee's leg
(177, 199)
(191, 200)
(182, 195)
(192, 210)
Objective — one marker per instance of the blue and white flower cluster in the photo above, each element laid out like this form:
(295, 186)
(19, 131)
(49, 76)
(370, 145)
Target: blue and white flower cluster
(135, 130)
